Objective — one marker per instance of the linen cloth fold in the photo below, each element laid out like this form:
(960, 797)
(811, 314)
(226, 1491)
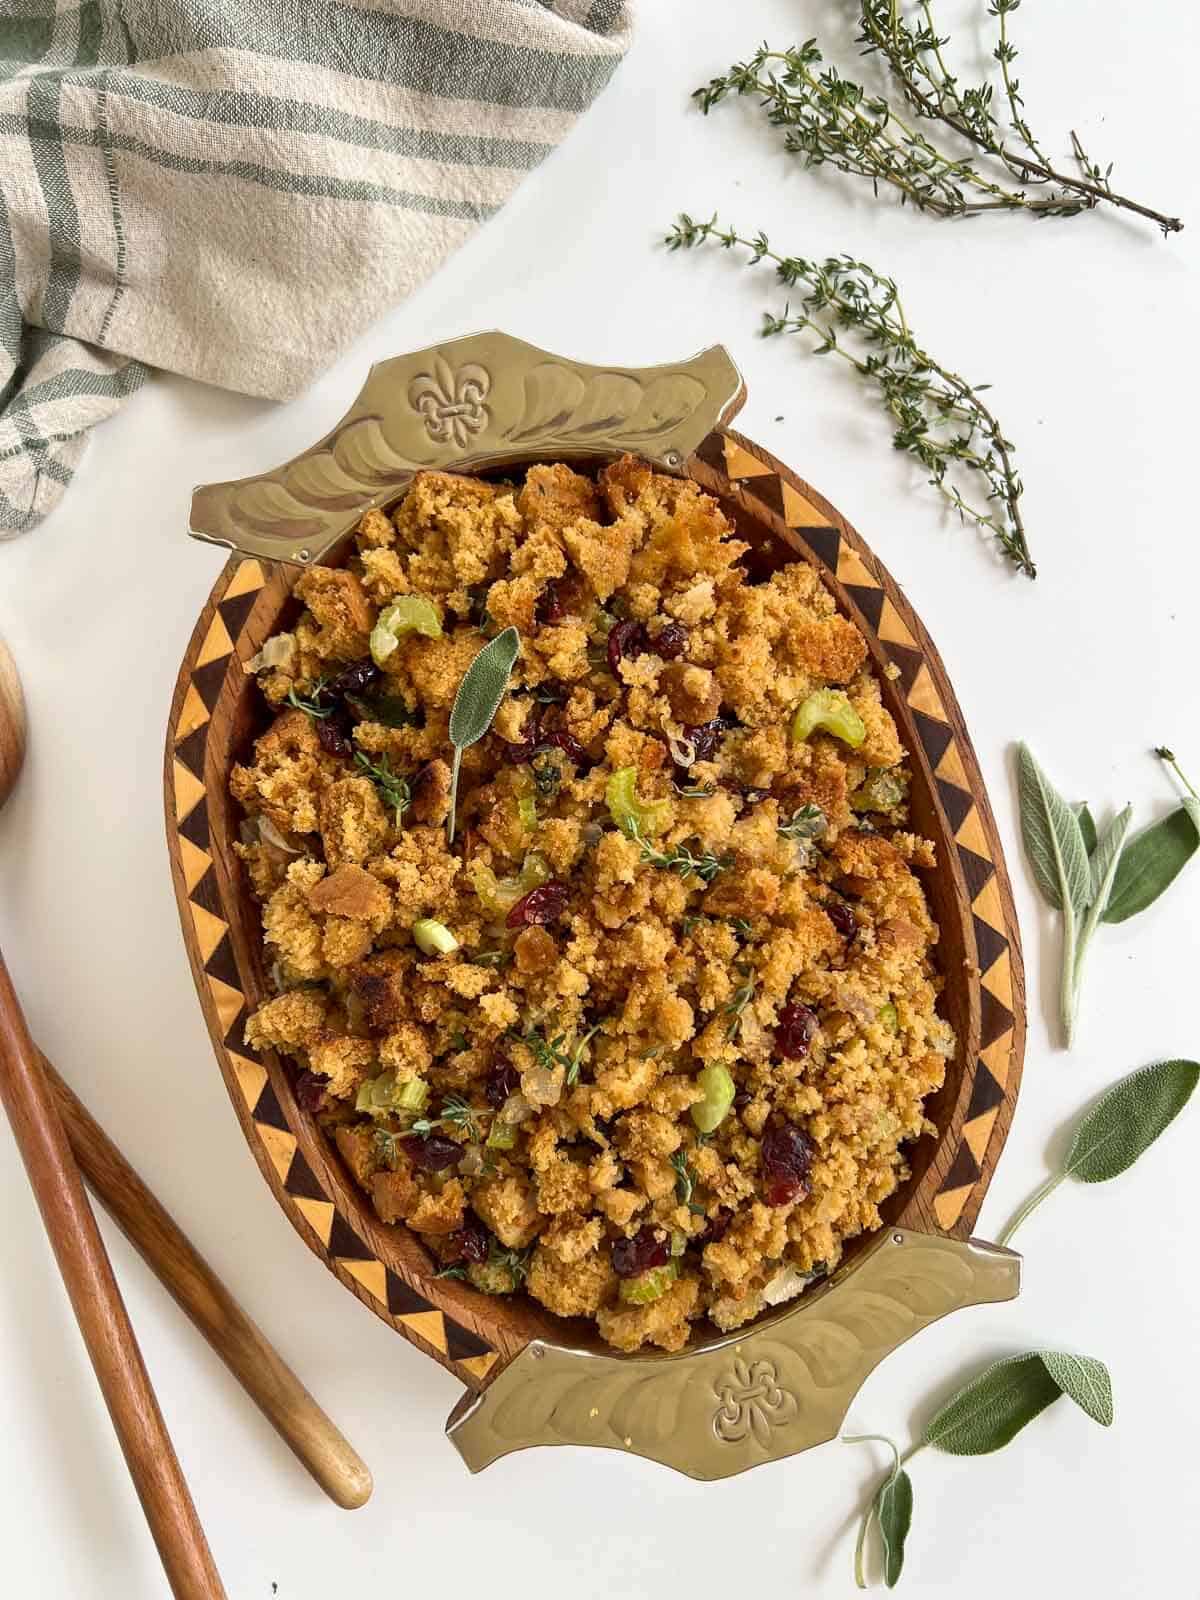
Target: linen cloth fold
(235, 189)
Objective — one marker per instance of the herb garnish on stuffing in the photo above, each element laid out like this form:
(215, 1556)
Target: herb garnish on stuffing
(648, 1039)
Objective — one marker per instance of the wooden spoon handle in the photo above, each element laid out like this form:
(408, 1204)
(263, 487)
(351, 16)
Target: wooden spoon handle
(182, 1270)
(100, 1311)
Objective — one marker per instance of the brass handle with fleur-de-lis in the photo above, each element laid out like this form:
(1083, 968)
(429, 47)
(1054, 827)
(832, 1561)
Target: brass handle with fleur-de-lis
(759, 1395)
(481, 402)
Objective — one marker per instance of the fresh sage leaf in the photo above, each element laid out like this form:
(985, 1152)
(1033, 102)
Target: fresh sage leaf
(1152, 860)
(894, 1510)
(993, 1408)
(1053, 837)
(476, 703)
(1127, 1120)
(1085, 1380)
(1124, 1122)
(480, 692)
(1105, 854)
(1087, 825)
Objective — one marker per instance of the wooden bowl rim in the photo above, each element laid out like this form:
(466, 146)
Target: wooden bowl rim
(386, 1267)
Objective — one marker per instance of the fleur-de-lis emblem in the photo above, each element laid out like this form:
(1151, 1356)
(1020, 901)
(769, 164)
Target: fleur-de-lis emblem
(752, 1401)
(451, 403)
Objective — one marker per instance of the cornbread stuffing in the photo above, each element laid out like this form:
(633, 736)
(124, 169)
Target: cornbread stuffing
(648, 1039)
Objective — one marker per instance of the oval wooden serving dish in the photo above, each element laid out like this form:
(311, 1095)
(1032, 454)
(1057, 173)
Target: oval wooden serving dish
(728, 1402)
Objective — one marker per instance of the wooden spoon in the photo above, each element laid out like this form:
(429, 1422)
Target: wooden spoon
(83, 1260)
(178, 1265)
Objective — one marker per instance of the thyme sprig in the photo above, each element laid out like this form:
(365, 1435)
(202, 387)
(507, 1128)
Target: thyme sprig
(742, 997)
(827, 118)
(393, 788)
(685, 1184)
(940, 419)
(311, 703)
(551, 1053)
(680, 859)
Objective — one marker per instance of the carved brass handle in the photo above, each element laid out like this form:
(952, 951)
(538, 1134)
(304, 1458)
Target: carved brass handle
(482, 401)
(755, 1397)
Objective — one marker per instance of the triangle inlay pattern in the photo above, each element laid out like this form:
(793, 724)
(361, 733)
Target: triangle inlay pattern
(404, 1306)
(898, 639)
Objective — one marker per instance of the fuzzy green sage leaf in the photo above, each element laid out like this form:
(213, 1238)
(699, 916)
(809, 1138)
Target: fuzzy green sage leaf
(894, 1511)
(1152, 860)
(993, 1408)
(1085, 1380)
(1053, 838)
(1087, 825)
(476, 703)
(1120, 1127)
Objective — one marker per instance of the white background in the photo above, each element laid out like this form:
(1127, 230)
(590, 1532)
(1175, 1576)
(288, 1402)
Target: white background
(1086, 330)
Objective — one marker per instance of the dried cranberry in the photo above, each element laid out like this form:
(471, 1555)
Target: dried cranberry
(625, 639)
(502, 1080)
(312, 1091)
(433, 1154)
(519, 751)
(843, 919)
(649, 1247)
(704, 737)
(472, 1242)
(334, 733)
(670, 641)
(715, 1229)
(794, 1031)
(570, 746)
(540, 906)
(785, 1156)
(359, 675)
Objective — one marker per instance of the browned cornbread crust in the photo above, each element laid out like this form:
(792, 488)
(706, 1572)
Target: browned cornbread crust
(672, 972)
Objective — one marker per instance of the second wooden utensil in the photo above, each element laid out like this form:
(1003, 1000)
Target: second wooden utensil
(100, 1311)
(153, 1232)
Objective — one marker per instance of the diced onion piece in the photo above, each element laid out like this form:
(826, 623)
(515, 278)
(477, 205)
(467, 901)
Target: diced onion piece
(787, 1283)
(683, 751)
(527, 811)
(472, 1163)
(270, 834)
(411, 613)
(679, 1241)
(278, 651)
(515, 1110)
(830, 711)
(433, 938)
(542, 1086)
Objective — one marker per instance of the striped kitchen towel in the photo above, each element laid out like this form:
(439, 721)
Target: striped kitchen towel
(234, 189)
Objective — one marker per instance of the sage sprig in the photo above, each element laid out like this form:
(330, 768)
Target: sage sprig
(1120, 1127)
(1093, 877)
(476, 703)
(984, 1415)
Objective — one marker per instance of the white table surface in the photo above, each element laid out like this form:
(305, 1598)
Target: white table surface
(1086, 329)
